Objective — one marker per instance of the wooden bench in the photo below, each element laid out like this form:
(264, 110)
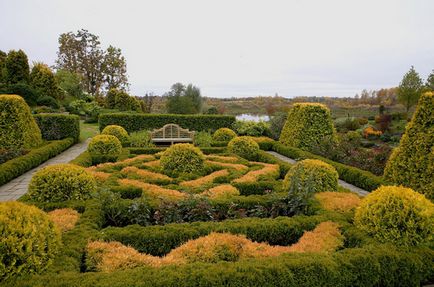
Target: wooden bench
(171, 133)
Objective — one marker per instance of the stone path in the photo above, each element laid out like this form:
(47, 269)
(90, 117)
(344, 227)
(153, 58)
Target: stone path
(18, 186)
(342, 183)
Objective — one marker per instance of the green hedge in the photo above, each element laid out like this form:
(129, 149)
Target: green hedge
(137, 122)
(360, 178)
(17, 166)
(84, 159)
(152, 150)
(58, 126)
(368, 267)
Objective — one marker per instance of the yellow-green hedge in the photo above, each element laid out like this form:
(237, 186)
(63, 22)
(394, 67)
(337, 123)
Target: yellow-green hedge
(308, 125)
(182, 158)
(116, 131)
(28, 241)
(18, 128)
(223, 135)
(244, 147)
(103, 148)
(61, 182)
(412, 163)
(398, 215)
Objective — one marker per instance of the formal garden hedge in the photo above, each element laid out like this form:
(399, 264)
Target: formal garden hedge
(58, 126)
(137, 122)
(17, 166)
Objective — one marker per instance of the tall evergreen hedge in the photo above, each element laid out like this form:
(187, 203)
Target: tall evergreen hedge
(58, 126)
(136, 122)
(412, 162)
(308, 125)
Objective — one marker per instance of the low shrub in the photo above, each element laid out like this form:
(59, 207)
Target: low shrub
(396, 214)
(58, 126)
(61, 182)
(256, 187)
(223, 135)
(118, 132)
(265, 143)
(17, 166)
(103, 148)
(202, 139)
(84, 159)
(338, 201)
(244, 147)
(221, 191)
(65, 218)
(182, 158)
(268, 171)
(29, 240)
(306, 178)
(141, 139)
(252, 128)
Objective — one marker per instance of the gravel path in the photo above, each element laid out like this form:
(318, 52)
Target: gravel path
(18, 186)
(342, 183)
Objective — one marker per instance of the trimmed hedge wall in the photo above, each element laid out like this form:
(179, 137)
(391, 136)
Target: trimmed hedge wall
(58, 126)
(152, 150)
(137, 122)
(358, 177)
(17, 166)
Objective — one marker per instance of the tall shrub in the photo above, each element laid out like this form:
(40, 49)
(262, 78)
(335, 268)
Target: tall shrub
(412, 162)
(308, 125)
(18, 128)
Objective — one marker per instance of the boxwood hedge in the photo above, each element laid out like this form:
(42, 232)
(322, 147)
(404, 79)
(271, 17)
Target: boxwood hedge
(58, 126)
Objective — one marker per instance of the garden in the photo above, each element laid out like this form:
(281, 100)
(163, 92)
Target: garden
(221, 211)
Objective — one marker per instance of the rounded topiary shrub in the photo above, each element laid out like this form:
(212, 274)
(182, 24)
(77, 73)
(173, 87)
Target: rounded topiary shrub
(412, 162)
(28, 241)
(182, 158)
(18, 128)
(223, 135)
(396, 214)
(307, 177)
(61, 182)
(244, 147)
(116, 131)
(308, 126)
(103, 148)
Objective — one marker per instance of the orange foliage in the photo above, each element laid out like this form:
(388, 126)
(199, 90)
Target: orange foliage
(137, 159)
(65, 218)
(154, 163)
(224, 190)
(205, 179)
(146, 175)
(154, 190)
(338, 201)
(271, 170)
(236, 166)
(370, 131)
(219, 158)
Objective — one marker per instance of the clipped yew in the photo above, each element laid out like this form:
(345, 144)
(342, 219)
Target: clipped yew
(412, 163)
(244, 147)
(182, 158)
(104, 148)
(308, 126)
(223, 135)
(116, 131)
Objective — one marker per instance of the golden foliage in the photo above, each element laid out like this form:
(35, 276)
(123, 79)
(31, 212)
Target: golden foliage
(236, 166)
(145, 175)
(138, 159)
(224, 190)
(220, 158)
(154, 190)
(326, 237)
(270, 170)
(65, 218)
(370, 131)
(100, 176)
(111, 256)
(205, 179)
(338, 201)
(152, 164)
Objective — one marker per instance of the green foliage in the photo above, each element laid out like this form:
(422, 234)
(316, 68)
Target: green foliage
(251, 128)
(103, 148)
(184, 100)
(277, 121)
(58, 126)
(89, 110)
(412, 163)
(410, 89)
(125, 102)
(61, 182)
(308, 125)
(244, 147)
(71, 83)
(17, 166)
(3, 56)
(141, 139)
(22, 89)
(398, 215)
(360, 178)
(29, 240)
(48, 102)
(203, 139)
(430, 82)
(18, 128)
(223, 135)
(116, 131)
(84, 159)
(182, 158)
(137, 122)
(16, 67)
(43, 80)
(306, 178)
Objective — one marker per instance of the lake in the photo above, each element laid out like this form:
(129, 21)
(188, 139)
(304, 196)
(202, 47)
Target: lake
(252, 117)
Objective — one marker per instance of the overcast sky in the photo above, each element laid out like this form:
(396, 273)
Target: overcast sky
(236, 47)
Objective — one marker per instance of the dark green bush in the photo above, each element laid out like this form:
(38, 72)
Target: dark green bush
(104, 148)
(48, 102)
(259, 187)
(136, 122)
(17, 166)
(58, 126)
(127, 192)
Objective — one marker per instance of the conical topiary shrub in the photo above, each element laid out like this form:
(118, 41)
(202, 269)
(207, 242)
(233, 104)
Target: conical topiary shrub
(412, 162)
(18, 128)
(308, 126)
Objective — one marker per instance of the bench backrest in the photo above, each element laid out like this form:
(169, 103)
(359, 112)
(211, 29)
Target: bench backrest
(171, 131)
